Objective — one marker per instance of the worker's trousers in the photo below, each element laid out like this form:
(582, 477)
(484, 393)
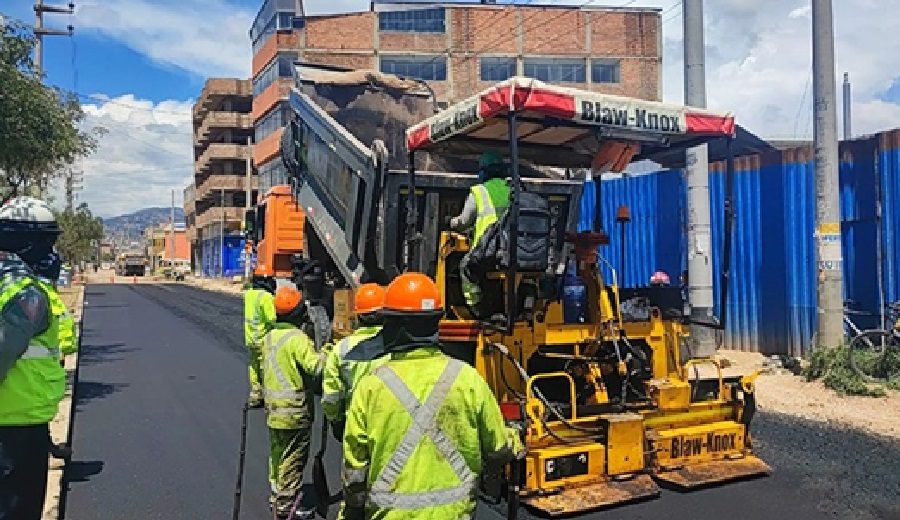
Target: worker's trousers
(23, 471)
(254, 373)
(288, 454)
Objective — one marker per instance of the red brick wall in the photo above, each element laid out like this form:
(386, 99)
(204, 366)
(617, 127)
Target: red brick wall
(352, 61)
(350, 31)
(281, 41)
(553, 31)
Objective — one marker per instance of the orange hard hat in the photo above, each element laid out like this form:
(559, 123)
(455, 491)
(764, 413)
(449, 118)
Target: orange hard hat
(369, 298)
(286, 300)
(412, 292)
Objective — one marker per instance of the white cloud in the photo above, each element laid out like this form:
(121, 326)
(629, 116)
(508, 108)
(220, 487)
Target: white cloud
(205, 37)
(146, 152)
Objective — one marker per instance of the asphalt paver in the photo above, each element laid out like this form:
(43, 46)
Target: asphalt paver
(161, 384)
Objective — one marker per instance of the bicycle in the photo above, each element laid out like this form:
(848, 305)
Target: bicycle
(874, 354)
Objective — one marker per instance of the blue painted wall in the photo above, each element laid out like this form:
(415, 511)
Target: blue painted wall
(771, 304)
(211, 255)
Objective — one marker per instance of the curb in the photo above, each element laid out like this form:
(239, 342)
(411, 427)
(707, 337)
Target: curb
(61, 426)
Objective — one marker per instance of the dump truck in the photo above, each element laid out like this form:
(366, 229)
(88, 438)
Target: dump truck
(274, 232)
(608, 405)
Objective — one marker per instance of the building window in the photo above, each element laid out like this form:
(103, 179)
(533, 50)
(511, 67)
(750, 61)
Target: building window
(280, 67)
(605, 71)
(432, 68)
(412, 20)
(497, 69)
(274, 15)
(277, 118)
(556, 70)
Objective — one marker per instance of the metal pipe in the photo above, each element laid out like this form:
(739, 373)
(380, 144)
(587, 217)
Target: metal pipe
(848, 129)
(515, 193)
(829, 330)
(411, 212)
(727, 225)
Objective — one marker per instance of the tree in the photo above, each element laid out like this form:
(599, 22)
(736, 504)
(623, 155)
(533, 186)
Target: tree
(80, 232)
(39, 125)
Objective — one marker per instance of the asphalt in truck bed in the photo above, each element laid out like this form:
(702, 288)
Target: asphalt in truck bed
(162, 380)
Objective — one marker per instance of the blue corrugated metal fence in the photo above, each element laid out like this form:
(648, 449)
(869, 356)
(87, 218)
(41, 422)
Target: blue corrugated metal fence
(772, 295)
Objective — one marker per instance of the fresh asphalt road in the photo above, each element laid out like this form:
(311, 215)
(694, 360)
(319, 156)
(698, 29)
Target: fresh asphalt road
(162, 380)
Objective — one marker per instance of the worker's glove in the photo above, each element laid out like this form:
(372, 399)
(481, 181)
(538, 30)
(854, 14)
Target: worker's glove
(448, 222)
(337, 430)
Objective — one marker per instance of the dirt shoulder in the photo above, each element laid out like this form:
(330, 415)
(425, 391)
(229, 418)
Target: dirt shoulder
(782, 392)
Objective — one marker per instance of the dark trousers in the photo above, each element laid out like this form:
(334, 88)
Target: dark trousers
(23, 471)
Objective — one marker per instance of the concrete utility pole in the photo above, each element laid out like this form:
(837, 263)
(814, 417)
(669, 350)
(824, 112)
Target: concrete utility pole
(848, 132)
(830, 329)
(248, 179)
(172, 234)
(40, 31)
(73, 185)
(700, 275)
(222, 236)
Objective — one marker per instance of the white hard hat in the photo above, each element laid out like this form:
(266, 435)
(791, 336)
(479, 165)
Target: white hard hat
(27, 209)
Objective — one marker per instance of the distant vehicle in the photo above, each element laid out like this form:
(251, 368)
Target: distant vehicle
(131, 264)
(177, 269)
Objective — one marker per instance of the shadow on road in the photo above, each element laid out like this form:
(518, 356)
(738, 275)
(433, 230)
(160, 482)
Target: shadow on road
(81, 471)
(86, 391)
(94, 354)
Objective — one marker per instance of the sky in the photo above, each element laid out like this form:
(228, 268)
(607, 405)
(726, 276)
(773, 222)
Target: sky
(138, 65)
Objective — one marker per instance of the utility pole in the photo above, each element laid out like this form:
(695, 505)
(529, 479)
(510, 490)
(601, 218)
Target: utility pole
(848, 132)
(700, 276)
(73, 185)
(830, 328)
(222, 236)
(248, 178)
(40, 31)
(172, 234)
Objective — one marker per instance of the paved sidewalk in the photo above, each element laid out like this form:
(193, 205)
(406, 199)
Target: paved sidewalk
(60, 426)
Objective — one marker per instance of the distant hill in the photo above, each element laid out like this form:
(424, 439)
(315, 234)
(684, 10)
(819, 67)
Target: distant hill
(130, 227)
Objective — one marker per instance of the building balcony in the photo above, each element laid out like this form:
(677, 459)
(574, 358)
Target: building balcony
(267, 149)
(211, 187)
(218, 88)
(216, 122)
(281, 41)
(215, 215)
(220, 152)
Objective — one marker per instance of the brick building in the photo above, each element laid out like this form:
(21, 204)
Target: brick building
(459, 48)
(215, 204)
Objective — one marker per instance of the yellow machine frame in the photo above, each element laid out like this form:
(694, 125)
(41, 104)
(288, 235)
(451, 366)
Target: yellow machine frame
(609, 457)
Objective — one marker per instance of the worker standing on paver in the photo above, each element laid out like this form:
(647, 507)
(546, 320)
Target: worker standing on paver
(31, 380)
(259, 319)
(290, 365)
(341, 375)
(420, 427)
(484, 205)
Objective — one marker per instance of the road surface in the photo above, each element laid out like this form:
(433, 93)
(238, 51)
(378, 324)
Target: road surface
(158, 415)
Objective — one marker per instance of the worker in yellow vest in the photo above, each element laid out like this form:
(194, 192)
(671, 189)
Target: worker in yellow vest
(47, 272)
(290, 365)
(484, 205)
(420, 427)
(259, 319)
(31, 380)
(341, 374)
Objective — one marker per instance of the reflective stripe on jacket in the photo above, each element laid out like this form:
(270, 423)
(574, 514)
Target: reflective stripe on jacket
(67, 328)
(290, 360)
(491, 199)
(341, 376)
(418, 431)
(259, 315)
(33, 387)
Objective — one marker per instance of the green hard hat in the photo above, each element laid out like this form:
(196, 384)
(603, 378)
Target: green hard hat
(490, 157)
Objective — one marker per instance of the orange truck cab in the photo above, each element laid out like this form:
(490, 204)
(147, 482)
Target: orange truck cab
(275, 228)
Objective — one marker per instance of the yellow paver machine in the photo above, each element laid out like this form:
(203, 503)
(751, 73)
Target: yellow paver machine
(608, 404)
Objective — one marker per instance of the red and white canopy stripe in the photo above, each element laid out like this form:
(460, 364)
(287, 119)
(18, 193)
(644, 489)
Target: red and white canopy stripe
(577, 107)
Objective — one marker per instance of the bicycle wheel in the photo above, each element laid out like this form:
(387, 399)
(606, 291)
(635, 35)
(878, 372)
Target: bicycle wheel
(866, 353)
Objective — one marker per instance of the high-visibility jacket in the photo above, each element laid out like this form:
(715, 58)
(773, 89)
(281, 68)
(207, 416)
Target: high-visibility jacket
(396, 466)
(259, 315)
(34, 385)
(67, 328)
(340, 376)
(491, 199)
(290, 362)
